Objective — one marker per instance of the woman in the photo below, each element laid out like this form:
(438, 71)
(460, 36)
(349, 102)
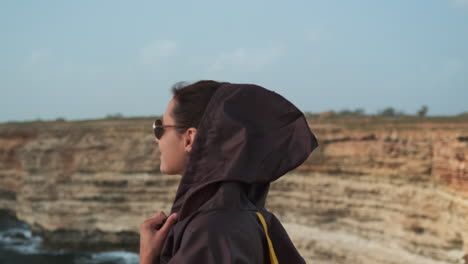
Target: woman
(229, 142)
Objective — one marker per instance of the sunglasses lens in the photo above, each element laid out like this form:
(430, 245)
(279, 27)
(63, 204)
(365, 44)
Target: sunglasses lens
(158, 128)
(158, 131)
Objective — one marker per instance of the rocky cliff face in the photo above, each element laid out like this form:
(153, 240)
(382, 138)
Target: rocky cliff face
(372, 192)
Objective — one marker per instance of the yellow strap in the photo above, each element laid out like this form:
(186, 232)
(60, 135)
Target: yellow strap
(273, 258)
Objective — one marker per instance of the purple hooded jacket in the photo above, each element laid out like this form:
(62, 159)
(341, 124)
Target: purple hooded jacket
(248, 137)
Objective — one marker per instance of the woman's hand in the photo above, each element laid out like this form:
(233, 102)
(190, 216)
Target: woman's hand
(152, 239)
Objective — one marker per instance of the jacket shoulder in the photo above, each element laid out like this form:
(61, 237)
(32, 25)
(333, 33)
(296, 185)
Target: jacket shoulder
(225, 220)
(222, 236)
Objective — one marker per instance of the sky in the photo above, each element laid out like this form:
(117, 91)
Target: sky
(90, 59)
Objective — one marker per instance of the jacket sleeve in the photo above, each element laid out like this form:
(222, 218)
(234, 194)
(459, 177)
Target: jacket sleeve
(212, 239)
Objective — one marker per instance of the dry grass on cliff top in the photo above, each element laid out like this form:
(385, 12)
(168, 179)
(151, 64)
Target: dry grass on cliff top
(396, 122)
(31, 128)
(348, 122)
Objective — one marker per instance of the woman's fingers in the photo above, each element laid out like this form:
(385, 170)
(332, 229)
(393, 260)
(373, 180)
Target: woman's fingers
(152, 240)
(158, 213)
(171, 220)
(154, 221)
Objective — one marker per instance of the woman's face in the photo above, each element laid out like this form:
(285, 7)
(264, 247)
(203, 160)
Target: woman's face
(174, 147)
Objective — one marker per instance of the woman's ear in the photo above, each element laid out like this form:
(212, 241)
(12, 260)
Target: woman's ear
(189, 139)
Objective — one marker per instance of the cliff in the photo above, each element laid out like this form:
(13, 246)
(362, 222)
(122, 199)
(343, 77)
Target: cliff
(375, 191)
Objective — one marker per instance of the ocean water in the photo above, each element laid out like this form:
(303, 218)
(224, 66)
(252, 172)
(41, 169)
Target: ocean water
(18, 245)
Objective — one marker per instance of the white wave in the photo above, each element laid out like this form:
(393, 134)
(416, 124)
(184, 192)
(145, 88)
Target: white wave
(118, 257)
(20, 240)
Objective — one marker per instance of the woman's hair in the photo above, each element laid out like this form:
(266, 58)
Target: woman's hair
(191, 101)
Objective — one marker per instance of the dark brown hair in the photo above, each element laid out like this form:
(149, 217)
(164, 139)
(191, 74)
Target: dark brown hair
(191, 101)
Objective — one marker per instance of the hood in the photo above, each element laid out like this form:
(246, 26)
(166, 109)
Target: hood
(249, 135)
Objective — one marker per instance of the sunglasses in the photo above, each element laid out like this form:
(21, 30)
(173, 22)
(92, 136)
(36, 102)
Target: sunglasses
(158, 128)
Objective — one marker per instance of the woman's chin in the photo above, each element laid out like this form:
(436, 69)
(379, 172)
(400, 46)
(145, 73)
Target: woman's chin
(168, 171)
(164, 170)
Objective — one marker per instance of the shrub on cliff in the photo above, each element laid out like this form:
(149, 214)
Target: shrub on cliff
(115, 116)
(423, 111)
(390, 111)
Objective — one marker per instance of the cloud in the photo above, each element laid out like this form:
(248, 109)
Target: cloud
(461, 3)
(36, 66)
(158, 51)
(37, 59)
(449, 75)
(451, 70)
(242, 59)
(316, 34)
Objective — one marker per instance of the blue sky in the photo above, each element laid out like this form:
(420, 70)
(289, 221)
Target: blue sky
(89, 59)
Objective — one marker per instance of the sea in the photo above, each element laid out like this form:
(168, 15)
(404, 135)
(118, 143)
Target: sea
(18, 245)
